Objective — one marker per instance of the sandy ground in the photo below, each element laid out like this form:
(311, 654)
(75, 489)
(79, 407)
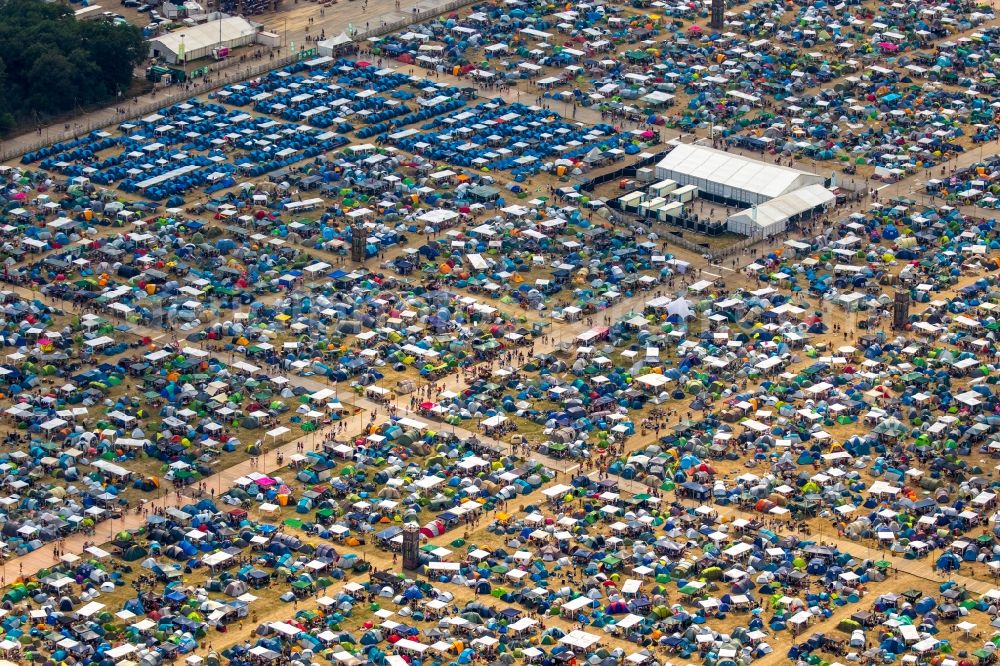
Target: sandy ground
(293, 23)
(917, 573)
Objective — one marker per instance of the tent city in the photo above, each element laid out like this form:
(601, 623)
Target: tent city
(499, 333)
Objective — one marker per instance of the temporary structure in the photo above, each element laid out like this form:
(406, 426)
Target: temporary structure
(730, 177)
(772, 217)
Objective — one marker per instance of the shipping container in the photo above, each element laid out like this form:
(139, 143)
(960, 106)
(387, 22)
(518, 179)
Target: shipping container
(673, 209)
(632, 200)
(650, 207)
(684, 194)
(662, 188)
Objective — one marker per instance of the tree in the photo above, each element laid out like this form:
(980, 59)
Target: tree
(6, 117)
(50, 62)
(52, 83)
(117, 50)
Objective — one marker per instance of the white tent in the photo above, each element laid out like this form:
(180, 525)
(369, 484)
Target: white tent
(194, 42)
(327, 47)
(772, 217)
(730, 176)
(680, 307)
(579, 639)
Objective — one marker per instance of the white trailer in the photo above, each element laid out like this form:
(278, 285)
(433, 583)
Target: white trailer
(671, 210)
(651, 206)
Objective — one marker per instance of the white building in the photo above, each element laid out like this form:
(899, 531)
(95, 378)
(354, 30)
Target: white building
(730, 178)
(772, 217)
(196, 42)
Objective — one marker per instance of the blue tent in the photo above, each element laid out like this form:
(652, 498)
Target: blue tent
(948, 562)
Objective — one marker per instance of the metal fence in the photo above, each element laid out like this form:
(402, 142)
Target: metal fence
(222, 75)
(738, 247)
(416, 17)
(699, 226)
(627, 171)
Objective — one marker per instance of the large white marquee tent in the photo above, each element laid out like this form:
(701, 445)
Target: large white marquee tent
(731, 177)
(772, 217)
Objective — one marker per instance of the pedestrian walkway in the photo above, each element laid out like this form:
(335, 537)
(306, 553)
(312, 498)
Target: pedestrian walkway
(30, 563)
(38, 559)
(921, 568)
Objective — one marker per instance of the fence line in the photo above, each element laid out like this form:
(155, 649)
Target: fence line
(676, 239)
(416, 17)
(737, 248)
(626, 171)
(107, 117)
(672, 236)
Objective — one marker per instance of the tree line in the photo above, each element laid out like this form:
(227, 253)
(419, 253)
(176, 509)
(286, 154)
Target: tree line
(50, 63)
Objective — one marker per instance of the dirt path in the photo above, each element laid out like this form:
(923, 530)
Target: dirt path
(919, 568)
(31, 562)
